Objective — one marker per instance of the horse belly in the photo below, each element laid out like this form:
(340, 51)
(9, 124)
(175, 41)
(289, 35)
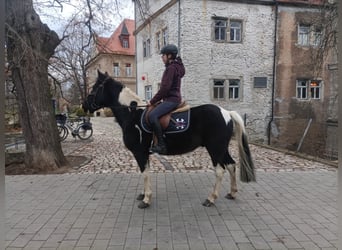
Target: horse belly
(178, 144)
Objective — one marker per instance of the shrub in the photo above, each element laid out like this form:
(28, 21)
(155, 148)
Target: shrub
(78, 111)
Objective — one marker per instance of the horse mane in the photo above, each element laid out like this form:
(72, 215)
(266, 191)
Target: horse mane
(127, 96)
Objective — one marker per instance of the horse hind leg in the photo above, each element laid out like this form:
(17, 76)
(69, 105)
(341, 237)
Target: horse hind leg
(218, 162)
(231, 167)
(233, 186)
(214, 195)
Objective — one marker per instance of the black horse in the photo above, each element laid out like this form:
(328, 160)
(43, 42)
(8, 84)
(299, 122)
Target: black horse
(210, 126)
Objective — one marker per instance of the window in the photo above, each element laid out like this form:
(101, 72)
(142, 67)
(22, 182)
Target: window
(218, 89)
(220, 30)
(116, 69)
(316, 37)
(162, 38)
(309, 35)
(147, 48)
(315, 89)
(222, 26)
(144, 49)
(235, 31)
(303, 35)
(125, 43)
(309, 89)
(226, 89)
(128, 69)
(233, 89)
(302, 89)
(158, 41)
(148, 92)
(165, 36)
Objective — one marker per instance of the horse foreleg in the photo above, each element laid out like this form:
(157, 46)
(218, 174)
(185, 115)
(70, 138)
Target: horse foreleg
(147, 196)
(213, 196)
(233, 187)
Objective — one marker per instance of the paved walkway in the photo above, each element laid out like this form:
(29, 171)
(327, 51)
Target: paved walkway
(291, 206)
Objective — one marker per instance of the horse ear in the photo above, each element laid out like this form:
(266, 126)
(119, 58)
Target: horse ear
(101, 76)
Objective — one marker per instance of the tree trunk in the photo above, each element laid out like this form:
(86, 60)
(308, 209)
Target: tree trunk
(30, 44)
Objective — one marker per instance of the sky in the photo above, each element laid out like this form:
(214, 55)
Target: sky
(56, 18)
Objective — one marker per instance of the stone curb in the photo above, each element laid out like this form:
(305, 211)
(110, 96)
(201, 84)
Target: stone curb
(301, 155)
(83, 163)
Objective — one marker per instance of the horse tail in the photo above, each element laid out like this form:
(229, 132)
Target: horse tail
(247, 172)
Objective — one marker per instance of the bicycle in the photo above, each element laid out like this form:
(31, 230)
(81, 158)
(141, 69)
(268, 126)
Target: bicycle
(80, 127)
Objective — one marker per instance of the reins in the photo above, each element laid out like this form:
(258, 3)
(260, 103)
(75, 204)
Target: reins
(130, 106)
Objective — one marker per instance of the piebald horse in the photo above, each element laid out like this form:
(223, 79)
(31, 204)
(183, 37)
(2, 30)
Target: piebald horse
(210, 126)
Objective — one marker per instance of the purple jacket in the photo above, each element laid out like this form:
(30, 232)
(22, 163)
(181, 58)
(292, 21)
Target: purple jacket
(171, 83)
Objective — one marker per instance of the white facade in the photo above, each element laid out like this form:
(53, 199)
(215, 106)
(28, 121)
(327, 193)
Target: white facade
(190, 24)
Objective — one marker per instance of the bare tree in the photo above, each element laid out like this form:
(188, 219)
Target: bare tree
(30, 44)
(70, 59)
(89, 19)
(325, 53)
(326, 25)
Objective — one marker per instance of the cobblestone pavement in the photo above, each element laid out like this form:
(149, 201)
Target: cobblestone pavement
(291, 206)
(109, 155)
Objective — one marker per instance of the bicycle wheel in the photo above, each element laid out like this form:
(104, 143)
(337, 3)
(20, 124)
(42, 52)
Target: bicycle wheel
(62, 131)
(84, 132)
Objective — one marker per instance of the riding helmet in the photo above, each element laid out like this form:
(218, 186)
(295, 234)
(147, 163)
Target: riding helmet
(169, 49)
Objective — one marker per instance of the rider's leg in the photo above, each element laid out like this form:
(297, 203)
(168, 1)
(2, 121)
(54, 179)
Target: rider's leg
(157, 129)
(154, 115)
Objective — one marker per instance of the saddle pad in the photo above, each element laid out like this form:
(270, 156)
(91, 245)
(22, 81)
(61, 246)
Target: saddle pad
(179, 122)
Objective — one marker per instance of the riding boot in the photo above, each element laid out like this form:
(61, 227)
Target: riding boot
(160, 148)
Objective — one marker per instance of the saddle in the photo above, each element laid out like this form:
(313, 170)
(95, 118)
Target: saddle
(175, 121)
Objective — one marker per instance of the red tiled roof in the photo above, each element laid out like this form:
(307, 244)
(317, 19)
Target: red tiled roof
(113, 44)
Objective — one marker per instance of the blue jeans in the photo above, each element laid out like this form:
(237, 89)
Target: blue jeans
(161, 109)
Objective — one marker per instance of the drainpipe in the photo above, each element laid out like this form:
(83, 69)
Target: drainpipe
(135, 56)
(273, 72)
(179, 25)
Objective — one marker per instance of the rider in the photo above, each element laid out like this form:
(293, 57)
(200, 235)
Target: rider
(169, 94)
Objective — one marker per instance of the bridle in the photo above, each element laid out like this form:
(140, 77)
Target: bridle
(94, 94)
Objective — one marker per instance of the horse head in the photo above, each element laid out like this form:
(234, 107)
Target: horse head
(107, 92)
(110, 93)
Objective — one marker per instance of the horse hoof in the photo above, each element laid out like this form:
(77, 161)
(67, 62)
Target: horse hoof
(230, 197)
(143, 205)
(207, 203)
(140, 197)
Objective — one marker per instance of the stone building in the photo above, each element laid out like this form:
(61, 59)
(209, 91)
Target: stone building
(305, 101)
(116, 56)
(241, 55)
(227, 49)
